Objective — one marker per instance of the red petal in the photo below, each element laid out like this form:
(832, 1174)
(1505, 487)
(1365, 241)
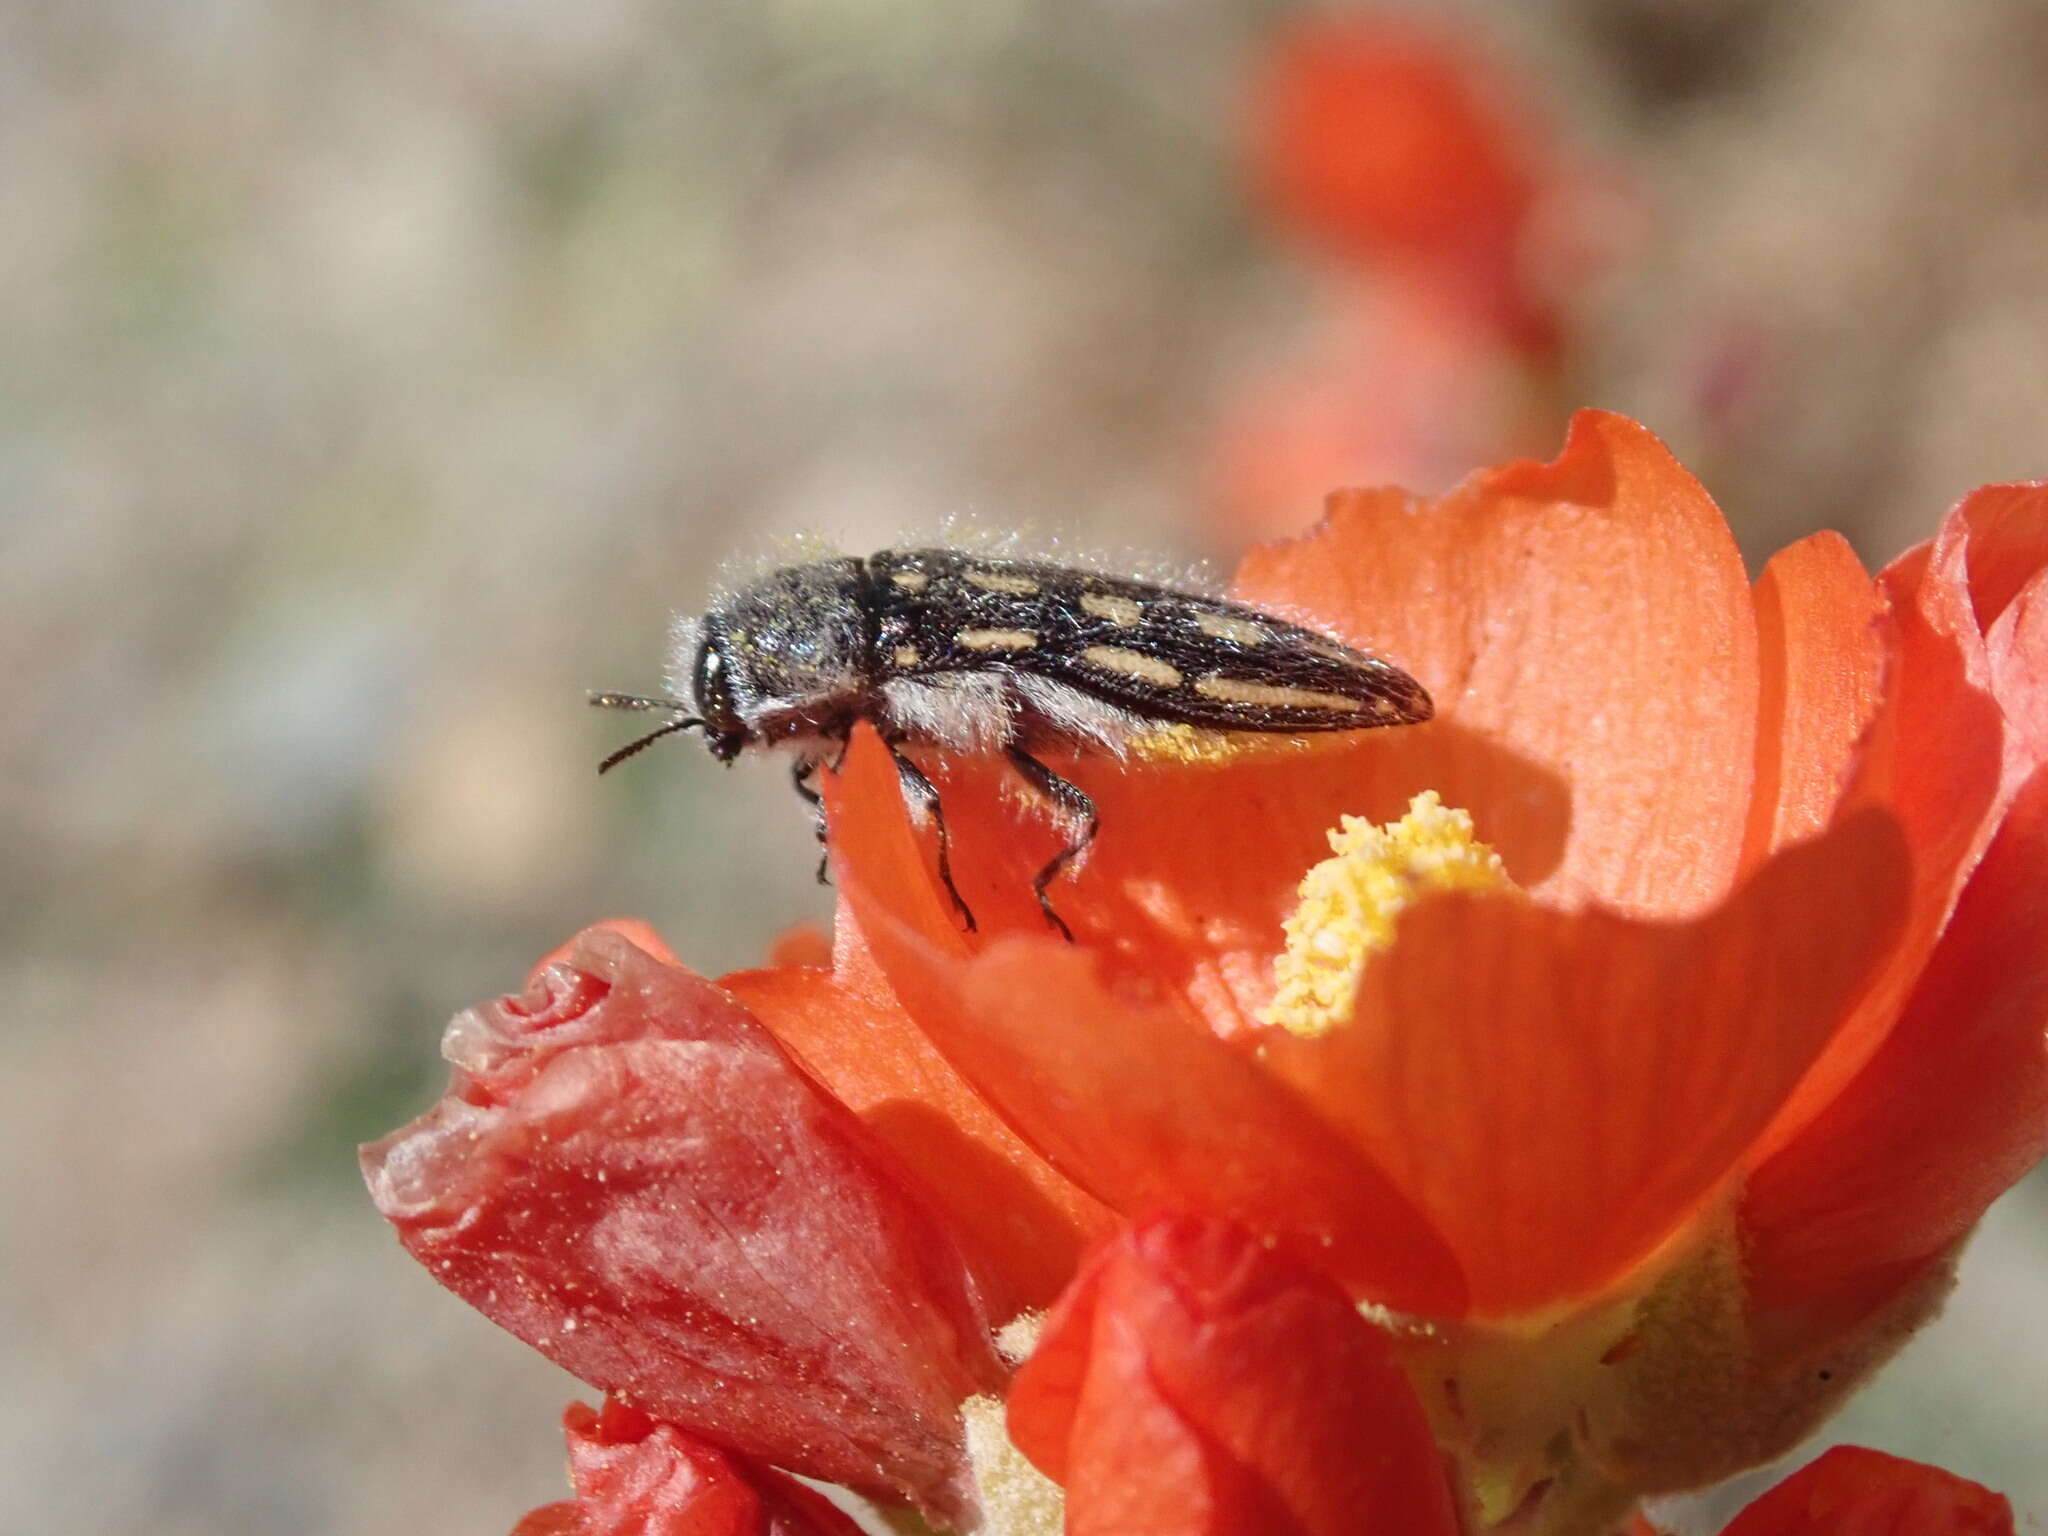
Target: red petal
(1195, 1383)
(1559, 1092)
(1949, 1113)
(632, 1177)
(634, 1477)
(1021, 1224)
(1131, 1098)
(1850, 1491)
(1821, 656)
(1590, 621)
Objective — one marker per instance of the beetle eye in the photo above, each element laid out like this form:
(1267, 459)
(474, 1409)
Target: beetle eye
(710, 678)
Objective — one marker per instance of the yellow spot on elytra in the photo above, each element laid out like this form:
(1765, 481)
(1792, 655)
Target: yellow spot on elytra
(1350, 902)
(904, 656)
(909, 581)
(1147, 669)
(997, 581)
(1222, 626)
(1329, 650)
(1124, 612)
(1236, 690)
(997, 639)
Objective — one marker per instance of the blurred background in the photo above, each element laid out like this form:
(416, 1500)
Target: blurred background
(374, 378)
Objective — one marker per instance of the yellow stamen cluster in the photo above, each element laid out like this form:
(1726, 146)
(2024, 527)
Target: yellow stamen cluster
(1351, 901)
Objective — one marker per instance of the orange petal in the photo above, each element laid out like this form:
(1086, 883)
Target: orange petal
(805, 944)
(1195, 1383)
(1935, 757)
(1021, 1224)
(1131, 1098)
(1850, 1491)
(1196, 865)
(1949, 1113)
(2017, 653)
(1559, 1092)
(1590, 620)
(1821, 658)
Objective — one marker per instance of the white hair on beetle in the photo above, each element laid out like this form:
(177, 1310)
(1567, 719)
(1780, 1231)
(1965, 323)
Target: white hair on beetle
(685, 634)
(963, 712)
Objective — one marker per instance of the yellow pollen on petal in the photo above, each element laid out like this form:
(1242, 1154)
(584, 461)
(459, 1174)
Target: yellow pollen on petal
(1350, 902)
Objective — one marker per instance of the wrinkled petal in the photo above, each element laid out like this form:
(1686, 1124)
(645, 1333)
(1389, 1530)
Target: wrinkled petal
(1590, 620)
(1850, 1491)
(634, 1477)
(1195, 1383)
(1945, 1117)
(629, 1174)
(1558, 1092)
(1821, 656)
(635, 931)
(1021, 1224)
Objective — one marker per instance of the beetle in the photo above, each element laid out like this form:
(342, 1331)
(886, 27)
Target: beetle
(959, 652)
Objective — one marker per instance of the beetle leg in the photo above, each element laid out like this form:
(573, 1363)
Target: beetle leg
(800, 779)
(1074, 801)
(924, 795)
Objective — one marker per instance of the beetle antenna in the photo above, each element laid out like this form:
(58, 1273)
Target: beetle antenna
(631, 747)
(641, 701)
(638, 701)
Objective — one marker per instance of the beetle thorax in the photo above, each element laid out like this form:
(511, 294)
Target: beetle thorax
(795, 648)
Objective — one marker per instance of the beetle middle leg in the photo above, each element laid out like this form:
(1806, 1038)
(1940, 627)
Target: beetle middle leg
(924, 795)
(1074, 801)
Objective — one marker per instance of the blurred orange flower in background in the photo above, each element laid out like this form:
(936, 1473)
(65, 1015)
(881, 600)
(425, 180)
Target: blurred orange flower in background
(1587, 1133)
(1454, 238)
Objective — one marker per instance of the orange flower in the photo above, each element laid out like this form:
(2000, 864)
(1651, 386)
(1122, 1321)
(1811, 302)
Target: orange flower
(1658, 1153)
(1600, 1122)
(1460, 239)
(1397, 149)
